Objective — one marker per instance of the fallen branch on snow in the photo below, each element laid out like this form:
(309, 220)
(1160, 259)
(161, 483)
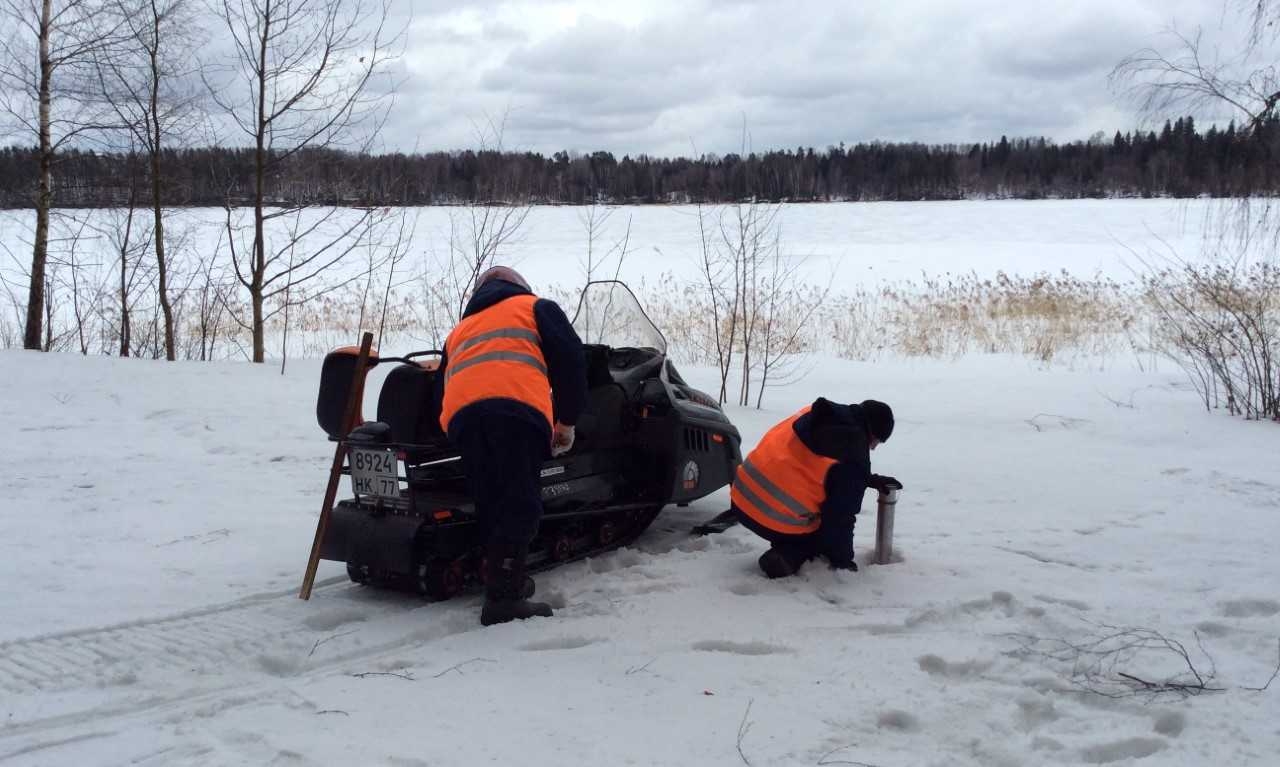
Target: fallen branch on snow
(1274, 673)
(826, 760)
(743, 727)
(1095, 664)
(396, 674)
(638, 669)
(319, 642)
(458, 667)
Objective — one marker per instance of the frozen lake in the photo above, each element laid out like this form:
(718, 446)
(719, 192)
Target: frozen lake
(861, 242)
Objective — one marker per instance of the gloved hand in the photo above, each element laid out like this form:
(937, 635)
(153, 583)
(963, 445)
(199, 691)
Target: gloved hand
(882, 483)
(561, 439)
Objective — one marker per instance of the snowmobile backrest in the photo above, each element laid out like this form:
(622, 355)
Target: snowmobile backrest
(407, 403)
(629, 365)
(335, 386)
(597, 365)
(601, 424)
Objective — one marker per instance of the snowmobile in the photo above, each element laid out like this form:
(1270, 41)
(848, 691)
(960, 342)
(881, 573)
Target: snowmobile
(645, 440)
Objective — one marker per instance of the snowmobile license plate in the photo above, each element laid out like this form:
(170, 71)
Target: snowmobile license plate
(375, 473)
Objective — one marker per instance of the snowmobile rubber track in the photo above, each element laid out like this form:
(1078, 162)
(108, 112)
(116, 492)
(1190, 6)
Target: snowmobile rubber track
(466, 568)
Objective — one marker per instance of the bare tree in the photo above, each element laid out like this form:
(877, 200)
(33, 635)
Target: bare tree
(304, 74)
(720, 276)
(83, 281)
(1221, 321)
(594, 218)
(750, 235)
(789, 307)
(11, 333)
(476, 237)
(1239, 78)
(149, 84)
(128, 240)
(748, 280)
(1194, 78)
(479, 232)
(399, 249)
(212, 286)
(45, 93)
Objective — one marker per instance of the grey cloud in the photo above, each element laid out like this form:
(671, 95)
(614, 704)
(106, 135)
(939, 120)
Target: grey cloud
(801, 73)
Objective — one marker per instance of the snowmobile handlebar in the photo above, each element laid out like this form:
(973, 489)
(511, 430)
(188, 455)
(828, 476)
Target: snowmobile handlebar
(408, 357)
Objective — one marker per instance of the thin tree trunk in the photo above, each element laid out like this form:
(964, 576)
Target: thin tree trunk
(48, 319)
(154, 128)
(125, 330)
(40, 249)
(259, 195)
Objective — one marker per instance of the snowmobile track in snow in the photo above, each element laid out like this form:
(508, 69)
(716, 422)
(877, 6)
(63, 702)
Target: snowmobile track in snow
(205, 638)
(211, 658)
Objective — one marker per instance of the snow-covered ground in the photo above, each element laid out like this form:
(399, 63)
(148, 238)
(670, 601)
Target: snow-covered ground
(158, 517)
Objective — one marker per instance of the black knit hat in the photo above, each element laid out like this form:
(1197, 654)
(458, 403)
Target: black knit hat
(879, 418)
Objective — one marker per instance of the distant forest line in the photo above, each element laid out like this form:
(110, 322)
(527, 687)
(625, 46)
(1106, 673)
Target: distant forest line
(1176, 161)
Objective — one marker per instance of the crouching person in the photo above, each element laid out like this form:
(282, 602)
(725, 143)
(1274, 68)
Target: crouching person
(802, 486)
(515, 382)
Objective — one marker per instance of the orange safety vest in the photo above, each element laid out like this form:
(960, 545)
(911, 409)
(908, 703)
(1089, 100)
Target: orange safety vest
(496, 354)
(782, 483)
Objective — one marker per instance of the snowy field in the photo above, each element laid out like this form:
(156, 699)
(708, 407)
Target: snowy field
(158, 517)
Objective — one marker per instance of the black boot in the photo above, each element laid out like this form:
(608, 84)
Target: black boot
(781, 562)
(506, 585)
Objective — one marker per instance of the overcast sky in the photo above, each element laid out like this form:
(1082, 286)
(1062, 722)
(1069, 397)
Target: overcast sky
(671, 77)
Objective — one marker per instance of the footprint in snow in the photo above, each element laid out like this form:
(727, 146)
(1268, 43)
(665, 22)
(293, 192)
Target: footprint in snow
(1171, 723)
(560, 643)
(1074, 604)
(934, 665)
(1035, 710)
(740, 648)
(1250, 608)
(895, 719)
(1213, 628)
(1129, 748)
(331, 619)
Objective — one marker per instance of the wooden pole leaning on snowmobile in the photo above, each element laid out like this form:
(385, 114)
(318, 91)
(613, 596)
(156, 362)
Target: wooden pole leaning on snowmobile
(886, 506)
(354, 395)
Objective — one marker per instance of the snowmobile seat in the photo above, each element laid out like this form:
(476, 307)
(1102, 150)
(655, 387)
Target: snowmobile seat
(335, 385)
(370, 433)
(408, 406)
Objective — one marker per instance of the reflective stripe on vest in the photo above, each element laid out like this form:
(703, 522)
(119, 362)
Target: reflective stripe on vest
(496, 353)
(782, 483)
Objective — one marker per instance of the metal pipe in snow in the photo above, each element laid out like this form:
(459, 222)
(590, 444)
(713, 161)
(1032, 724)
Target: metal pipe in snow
(886, 505)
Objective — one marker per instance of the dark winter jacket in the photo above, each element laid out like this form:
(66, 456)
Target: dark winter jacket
(561, 348)
(839, 432)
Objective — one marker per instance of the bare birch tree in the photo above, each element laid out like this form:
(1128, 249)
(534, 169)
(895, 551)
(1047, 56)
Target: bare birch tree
(45, 92)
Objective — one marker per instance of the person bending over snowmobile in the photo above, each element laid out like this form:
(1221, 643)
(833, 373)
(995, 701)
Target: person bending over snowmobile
(801, 487)
(514, 383)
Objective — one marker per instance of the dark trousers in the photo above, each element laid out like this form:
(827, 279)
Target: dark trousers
(503, 457)
(796, 548)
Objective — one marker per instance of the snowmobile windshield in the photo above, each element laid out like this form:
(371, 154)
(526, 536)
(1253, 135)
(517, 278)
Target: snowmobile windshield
(610, 315)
